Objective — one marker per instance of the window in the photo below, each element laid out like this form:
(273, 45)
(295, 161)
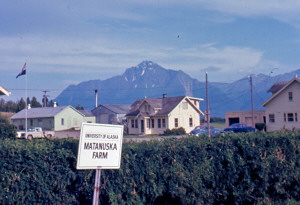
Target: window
(147, 108)
(132, 123)
(271, 118)
(290, 96)
(284, 117)
(290, 117)
(136, 124)
(159, 123)
(152, 122)
(62, 121)
(31, 122)
(191, 122)
(148, 123)
(176, 122)
(163, 123)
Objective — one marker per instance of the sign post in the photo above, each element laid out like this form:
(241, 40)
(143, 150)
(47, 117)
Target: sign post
(100, 147)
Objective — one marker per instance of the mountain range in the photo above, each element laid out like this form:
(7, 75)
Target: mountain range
(150, 80)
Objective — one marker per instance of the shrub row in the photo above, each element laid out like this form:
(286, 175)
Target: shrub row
(256, 168)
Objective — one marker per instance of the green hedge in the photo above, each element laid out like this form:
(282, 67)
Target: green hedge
(256, 168)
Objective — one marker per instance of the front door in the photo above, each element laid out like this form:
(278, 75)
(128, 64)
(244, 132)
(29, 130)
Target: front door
(142, 126)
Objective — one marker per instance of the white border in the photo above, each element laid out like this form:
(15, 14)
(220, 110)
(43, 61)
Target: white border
(117, 129)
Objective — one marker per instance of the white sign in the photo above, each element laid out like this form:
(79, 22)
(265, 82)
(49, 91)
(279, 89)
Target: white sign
(100, 146)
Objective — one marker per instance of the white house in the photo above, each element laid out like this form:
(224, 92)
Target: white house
(55, 118)
(283, 107)
(155, 115)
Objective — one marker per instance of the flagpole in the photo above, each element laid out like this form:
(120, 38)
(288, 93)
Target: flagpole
(26, 108)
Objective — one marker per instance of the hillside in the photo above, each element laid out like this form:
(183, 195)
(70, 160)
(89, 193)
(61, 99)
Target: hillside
(151, 80)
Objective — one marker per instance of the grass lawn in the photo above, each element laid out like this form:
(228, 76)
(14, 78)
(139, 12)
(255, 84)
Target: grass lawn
(220, 125)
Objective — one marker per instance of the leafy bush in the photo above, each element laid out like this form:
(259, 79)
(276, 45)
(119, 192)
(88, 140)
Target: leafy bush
(174, 131)
(6, 129)
(260, 126)
(248, 168)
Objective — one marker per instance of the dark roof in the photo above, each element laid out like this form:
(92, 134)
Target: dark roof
(169, 104)
(87, 113)
(134, 108)
(165, 104)
(39, 112)
(118, 109)
(277, 86)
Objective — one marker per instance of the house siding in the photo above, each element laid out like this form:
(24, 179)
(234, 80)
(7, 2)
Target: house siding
(161, 113)
(245, 117)
(107, 116)
(51, 118)
(183, 115)
(71, 119)
(280, 105)
(46, 123)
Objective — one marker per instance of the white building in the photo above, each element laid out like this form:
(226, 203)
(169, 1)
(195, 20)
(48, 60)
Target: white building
(283, 107)
(155, 115)
(55, 118)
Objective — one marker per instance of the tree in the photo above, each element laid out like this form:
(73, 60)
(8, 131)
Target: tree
(51, 103)
(6, 129)
(35, 103)
(2, 105)
(11, 106)
(21, 105)
(79, 107)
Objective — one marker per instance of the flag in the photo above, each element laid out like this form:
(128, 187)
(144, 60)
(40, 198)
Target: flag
(23, 71)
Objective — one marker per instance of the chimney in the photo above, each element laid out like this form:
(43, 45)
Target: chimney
(96, 98)
(54, 104)
(164, 100)
(28, 106)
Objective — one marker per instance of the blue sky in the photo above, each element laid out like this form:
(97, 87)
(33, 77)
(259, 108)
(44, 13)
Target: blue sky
(67, 42)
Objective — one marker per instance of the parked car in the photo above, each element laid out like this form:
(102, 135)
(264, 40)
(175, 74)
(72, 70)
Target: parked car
(203, 130)
(239, 127)
(36, 132)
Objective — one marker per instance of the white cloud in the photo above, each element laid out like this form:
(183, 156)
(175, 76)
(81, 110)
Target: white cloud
(98, 56)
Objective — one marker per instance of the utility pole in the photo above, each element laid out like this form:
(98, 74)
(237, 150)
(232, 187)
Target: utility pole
(98, 171)
(207, 106)
(252, 106)
(45, 98)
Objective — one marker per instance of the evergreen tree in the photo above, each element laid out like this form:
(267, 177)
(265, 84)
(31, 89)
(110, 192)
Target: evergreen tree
(28, 101)
(21, 105)
(79, 107)
(2, 105)
(35, 103)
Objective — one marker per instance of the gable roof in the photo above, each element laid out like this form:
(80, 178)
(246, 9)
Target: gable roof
(41, 112)
(166, 105)
(277, 86)
(87, 113)
(283, 87)
(119, 109)
(169, 104)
